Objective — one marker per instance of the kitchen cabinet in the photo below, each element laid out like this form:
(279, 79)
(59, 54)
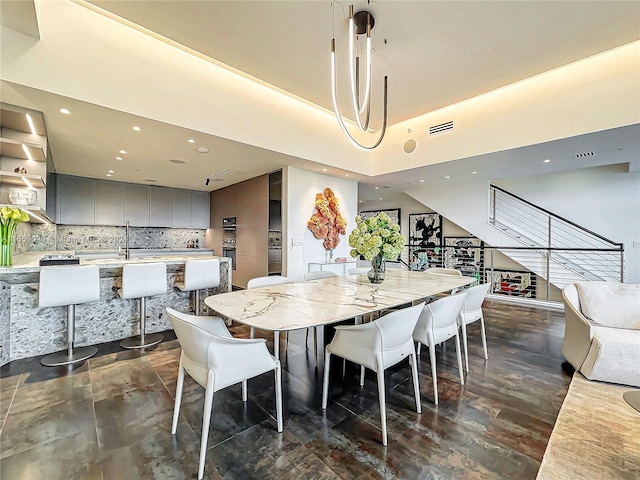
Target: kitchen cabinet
(200, 210)
(109, 202)
(76, 200)
(181, 216)
(136, 205)
(160, 206)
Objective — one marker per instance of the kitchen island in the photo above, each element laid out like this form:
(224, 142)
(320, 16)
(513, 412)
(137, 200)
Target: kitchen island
(26, 330)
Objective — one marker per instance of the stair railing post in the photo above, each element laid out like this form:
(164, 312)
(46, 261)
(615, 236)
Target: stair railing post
(621, 265)
(549, 258)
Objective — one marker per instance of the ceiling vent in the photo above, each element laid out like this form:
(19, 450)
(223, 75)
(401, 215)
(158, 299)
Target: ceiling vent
(585, 154)
(443, 127)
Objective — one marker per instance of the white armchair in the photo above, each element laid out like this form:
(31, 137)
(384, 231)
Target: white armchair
(268, 281)
(602, 330)
(216, 360)
(472, 312)
(437, 324)
(377, 345)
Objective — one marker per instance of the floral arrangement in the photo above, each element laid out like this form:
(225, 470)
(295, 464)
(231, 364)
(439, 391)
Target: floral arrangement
(327, 223)
(9, 220)
(376, 236)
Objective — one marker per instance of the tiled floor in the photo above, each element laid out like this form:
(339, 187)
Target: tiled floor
(111, 417)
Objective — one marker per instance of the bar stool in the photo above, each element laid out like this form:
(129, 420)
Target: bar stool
(69, 286)
(199, 274)
(141, 280)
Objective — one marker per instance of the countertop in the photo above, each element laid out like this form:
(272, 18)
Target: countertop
(26, 264)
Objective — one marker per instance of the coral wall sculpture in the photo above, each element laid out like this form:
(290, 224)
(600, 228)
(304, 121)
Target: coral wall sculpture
(327, 223)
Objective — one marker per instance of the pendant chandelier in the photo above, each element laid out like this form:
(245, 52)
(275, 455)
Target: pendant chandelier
(360, 23)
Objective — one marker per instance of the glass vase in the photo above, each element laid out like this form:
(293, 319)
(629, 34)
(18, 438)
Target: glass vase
(376, 274)
(5, 253)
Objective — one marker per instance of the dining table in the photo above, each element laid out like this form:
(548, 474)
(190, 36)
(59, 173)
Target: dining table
(312, 304)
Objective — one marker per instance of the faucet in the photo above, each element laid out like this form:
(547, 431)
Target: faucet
(127, 253)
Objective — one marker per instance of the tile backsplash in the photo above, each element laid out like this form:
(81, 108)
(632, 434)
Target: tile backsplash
(88, 237)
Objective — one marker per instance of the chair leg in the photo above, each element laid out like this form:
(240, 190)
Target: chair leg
(432, 359)
(484, 338)
(381, 399)
(419, 345)
(413, 360)
(460, 372)
(244, 391)
(463, 327)
(196, 307)
(252, 332)
(362, 375)
(279, 397)
(178, 399)
(315, 346)
(206, 420)
(325, 380)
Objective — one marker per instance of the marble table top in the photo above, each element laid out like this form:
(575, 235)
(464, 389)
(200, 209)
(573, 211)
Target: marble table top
(300, 305)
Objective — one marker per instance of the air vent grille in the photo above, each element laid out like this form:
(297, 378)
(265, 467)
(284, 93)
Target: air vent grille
(584, 154)
(443, 127)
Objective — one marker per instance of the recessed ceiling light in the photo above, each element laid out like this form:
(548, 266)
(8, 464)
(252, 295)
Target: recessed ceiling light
(65, 111)
(123, 152)
(177, 161)
(377, 188)
(346, 174)
(137, 129)
(324, 169)
(191, 140)
(118, 158)
(547, 161)
(108, 174)
(202, 149)
(360, 201)
(446, 177)
(380, 198)
(421, 181)
(474, 173)
(110, 171)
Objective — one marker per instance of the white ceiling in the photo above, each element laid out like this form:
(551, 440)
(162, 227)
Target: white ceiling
(439, 53)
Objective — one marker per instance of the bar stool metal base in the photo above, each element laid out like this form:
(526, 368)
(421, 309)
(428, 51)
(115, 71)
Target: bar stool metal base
(136, 341)
(67, 358)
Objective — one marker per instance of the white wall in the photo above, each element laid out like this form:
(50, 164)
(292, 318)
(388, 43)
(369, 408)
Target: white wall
(605, 200)
(299, 191)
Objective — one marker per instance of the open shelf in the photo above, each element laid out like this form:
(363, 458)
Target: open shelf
(13, 148)
(36, 214)
(15, 179)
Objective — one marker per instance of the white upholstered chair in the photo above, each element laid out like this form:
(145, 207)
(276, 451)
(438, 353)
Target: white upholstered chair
(198, 275)
(377, 345)
(142, 280)
(472, 312)
(437, 324)
(444, 271)
(69, 286)
(319, 275)
(359, 270)
(258, 282)
(216, 360)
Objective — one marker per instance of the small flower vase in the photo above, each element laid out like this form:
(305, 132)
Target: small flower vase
(376, 274)
(6, 249)
(328, 255)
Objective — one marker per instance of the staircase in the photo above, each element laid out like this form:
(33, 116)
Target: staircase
(554, 248)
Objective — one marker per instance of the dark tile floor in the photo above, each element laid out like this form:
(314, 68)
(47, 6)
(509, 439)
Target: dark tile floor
(110, 418)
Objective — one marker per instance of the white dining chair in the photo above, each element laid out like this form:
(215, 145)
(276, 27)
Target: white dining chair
(443, 271)
(472, 312)
(359, 270)
(268, 281)
(377, 345)
(216, 360)
(437, 324)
